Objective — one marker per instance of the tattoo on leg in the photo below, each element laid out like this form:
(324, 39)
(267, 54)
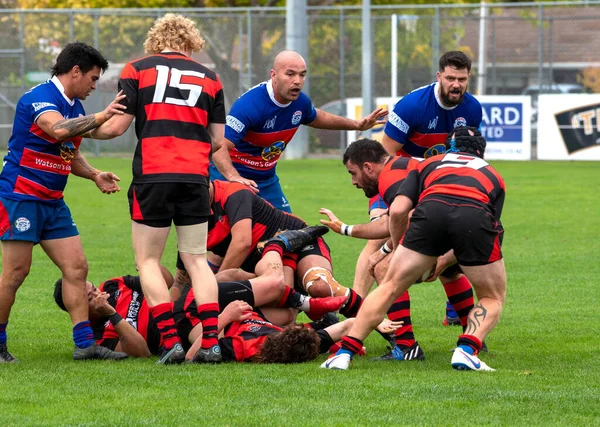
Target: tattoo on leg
(275, 266)
(476, 318)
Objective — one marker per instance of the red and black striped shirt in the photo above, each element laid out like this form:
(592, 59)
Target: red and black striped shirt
(392, 176)
(127, 298)
(174, 100)
(459, 176)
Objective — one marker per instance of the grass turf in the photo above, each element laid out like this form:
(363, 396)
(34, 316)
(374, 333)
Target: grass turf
(545, 346)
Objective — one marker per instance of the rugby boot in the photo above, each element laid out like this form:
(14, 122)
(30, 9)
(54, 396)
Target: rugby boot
(414, 352)
(97, 352)
(208, 355)
(463, 361)
(174, 356)
(340, 361)
(5, 356)
(294, 240)
(320, 306)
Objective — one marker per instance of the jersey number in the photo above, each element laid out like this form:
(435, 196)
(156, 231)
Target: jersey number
(162, 80)
(460, 160)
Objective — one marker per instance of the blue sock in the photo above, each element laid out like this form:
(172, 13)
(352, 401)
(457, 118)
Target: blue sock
(213, 267)
(83, 335)
(450, 311)
(467, 349)
(3, 333)
(344, 351)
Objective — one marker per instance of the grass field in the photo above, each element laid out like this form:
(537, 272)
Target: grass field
(545, 347)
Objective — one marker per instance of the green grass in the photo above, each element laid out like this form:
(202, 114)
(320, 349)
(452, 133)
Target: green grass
(545, 347)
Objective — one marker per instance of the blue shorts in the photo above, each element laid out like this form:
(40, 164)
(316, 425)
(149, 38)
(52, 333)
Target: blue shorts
(269, 189)
(32, 221)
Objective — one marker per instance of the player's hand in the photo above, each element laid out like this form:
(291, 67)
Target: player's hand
(375, 258)
(237, 311)
(375, 118)
(115, 107)
(107, 182)
(248, 182)
(442, 263)
(334, 223)
(100, 304)
(386, 326)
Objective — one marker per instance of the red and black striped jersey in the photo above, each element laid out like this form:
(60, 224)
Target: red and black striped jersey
(174, 100)
(245, 339)
(392, 176)
(233, 202)
(459, 176)
(127, 298)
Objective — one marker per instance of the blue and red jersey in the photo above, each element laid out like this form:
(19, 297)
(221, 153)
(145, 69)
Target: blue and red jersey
(260, 129)
(37, 166)
(421, 122)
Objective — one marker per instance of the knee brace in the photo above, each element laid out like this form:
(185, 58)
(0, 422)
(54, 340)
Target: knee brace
(191, 239)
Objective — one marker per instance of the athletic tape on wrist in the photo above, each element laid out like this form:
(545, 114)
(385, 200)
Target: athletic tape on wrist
(346, 230)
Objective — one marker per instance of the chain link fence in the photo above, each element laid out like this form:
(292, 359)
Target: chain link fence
(527, 49)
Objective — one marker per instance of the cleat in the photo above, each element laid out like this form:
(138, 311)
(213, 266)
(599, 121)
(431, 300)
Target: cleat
(338, 346)
(463, 361)
(330, 319)
(339, 362)
(294, 240)
(5, 356)
(451, 321)
(414, 352)
(97, 352)
(208, 355)
(174, 356)
(321, 306)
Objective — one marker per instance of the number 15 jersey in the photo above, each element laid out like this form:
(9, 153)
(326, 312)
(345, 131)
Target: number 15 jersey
(174, 99)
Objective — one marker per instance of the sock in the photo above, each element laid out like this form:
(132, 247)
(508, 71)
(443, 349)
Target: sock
(350, 308)
(3, 333)
(293, 299)
(276, 246)
(469, 343)
(400, 310)
(163, 316)
(351, 345)
(460, 295)
(450, 311)
(213, 267)
(209, 316)
(83, 335)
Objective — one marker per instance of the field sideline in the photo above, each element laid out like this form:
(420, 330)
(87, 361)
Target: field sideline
(545, 348)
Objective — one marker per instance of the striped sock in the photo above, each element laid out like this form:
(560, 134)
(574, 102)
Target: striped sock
(400, 311)
(350, 309)
(3, 333)
(209, 316)
(163, 316)
(83, 335)
(469, 343)
(460, 295)
(351, 345)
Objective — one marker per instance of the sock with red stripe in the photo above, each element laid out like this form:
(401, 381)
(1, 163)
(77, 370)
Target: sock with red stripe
(400, 311)
(276, 246)
(460, 295)
(350, 345)
(163, 316)
(469, 343)
(3, 333)
(209, 316)
(351, 307)
(83, 335)
(293, 299)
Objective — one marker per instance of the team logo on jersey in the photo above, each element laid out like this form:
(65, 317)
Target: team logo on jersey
(433, 123)
(235, 124)
(396, 121)
(22, 224)
(435, 150)
(297, 117)
(273, 151)
(270, 124)
(254, 328)
(461, 121)
(39, 105)
(67, 151)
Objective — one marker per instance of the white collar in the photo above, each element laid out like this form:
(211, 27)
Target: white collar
(61, 89)
(436, 91)
(272, 95)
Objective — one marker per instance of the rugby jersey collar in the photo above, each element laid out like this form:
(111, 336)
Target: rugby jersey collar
(61, 89)
(436, 90)
(272, 95)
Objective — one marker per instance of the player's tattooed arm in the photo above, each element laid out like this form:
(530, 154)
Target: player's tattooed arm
(78, 125)
(81, 167)
(476, 318)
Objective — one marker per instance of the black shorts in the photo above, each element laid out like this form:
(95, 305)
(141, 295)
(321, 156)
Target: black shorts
(159, 204)
(440, 224)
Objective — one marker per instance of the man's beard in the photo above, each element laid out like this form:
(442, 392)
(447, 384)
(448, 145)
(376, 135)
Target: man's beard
(371, 191)
(446, 98)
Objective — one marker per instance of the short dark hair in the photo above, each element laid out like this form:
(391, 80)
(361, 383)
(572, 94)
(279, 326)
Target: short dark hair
(58, 295)
(294, 344)
(365, 150)
(464, 142)
(456, 59)
(81, 54)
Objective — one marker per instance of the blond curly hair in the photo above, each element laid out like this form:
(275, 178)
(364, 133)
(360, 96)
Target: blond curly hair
(175, 33)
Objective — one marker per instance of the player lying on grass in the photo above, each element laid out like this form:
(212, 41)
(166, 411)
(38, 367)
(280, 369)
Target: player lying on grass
(241, 220)
(122, 298)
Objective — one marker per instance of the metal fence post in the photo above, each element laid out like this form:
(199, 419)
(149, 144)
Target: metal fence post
(541, 46)
(343, 111)
(22, 45)
(435, 42)
(367, 63)
(550, 52)
(249, 47)
(240, 56)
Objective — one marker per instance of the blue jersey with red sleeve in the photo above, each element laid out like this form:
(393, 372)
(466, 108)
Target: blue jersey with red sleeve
(37, 166)
(421, 122)
(260, 129)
